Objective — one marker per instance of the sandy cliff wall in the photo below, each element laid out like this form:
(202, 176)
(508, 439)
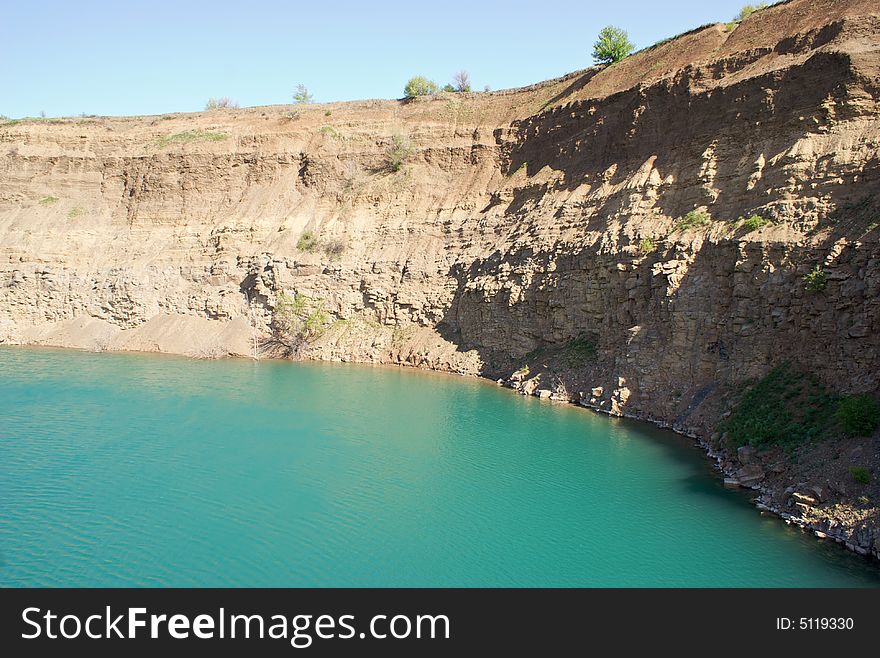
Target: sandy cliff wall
(522, 221)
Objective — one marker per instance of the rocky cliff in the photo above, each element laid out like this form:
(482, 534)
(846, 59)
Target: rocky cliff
(644, 238)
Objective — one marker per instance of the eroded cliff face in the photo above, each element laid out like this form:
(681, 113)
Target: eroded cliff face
(537, 227)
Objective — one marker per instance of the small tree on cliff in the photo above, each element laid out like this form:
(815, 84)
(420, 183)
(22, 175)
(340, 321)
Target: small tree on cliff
(419, 85)
(462, 81)
(302, 95)
(298, 320)
(612, 45)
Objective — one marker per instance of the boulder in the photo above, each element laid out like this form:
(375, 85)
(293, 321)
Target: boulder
(543, 393)
(746, 454)
(750, 475)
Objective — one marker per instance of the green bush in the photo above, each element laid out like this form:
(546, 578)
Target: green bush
(785, 408)
(858, 415)
(647, 245)
(48, 200)
(693, 220)
(308, 241)
(754, 222)
(860, 474)
(302, 95)
(816, 279)
(612, 45)
(298, 319)
(748, 10)
(448, 88)
(419, 86)
(397, 153)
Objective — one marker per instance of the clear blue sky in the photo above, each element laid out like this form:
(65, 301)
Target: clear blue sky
(131, 57)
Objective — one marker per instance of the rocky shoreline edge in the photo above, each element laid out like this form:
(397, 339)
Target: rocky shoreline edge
(803, 496)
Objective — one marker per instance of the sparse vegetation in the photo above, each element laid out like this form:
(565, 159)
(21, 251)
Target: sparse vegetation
(860, 474)
(786, 408)
(858, 415)
(48, 200)
(449, 88)
(815, 280)
(308, 242)
(581, 348)
(744, 13)
(191, 136)
(297, 320)
(75, 212)
(222, 103)
(693, 220)
(330, 131)
(419, 85)
(397, 153)
(462, 82)
(612, 45)
(748, 10)
(647, 246)
(334, 248)
(328, 113)
(754, 222)
(302, 96)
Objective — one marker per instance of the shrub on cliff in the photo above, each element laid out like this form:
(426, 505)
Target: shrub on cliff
(302, 95)
(860, 474)
(308, 241)
(297, 320)
(748, 10)
(612, 45)
(785, 408)
(419, 86)
(222, 103)
(754, 222)
(397, 153)
(462, 81)
(647, 246)
(858, 415)
(693, 220)
(815, 280)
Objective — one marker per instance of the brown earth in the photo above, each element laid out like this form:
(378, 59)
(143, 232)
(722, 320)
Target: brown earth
(530, 227)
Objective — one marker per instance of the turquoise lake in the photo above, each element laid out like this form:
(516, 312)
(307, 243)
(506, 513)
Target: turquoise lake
(139, 470)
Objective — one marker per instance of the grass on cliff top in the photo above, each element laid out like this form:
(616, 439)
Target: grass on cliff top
(786, 408)
(188, 136)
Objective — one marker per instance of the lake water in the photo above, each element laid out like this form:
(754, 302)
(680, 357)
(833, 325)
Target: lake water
(143, 470)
